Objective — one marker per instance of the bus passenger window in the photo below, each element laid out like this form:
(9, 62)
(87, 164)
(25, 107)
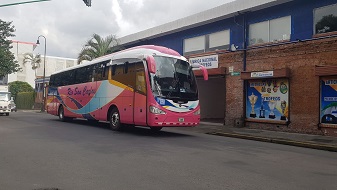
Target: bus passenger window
(101, 71)
(113, 70)
(126, 67)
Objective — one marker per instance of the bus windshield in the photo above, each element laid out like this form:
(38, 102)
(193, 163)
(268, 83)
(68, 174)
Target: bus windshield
(174, 79)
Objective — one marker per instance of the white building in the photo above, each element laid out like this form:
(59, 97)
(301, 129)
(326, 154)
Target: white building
(28, 74)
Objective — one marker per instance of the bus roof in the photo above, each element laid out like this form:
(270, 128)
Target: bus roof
(134, 52)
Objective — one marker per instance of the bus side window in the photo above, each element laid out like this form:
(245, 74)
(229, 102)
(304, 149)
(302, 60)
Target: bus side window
(83, 75)
(113, 70)
(100, 71)
(126, 67)
(105, 72)
(52, 81)
(140, 78)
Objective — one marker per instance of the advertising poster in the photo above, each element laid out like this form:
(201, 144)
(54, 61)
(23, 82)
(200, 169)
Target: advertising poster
(268, 100)
(328, 110)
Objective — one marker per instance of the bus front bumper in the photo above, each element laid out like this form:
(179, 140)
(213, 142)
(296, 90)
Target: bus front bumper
(187, 121)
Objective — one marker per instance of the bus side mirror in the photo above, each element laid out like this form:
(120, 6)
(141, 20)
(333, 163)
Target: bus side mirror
(151, 64)
(203, 70)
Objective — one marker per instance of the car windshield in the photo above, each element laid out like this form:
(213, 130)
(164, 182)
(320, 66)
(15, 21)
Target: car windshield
(174, 79)
(4, 96)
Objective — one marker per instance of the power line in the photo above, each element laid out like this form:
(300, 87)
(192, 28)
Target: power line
(25, 2)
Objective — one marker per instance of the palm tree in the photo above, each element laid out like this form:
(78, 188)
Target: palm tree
(98, 46)
(34, 60)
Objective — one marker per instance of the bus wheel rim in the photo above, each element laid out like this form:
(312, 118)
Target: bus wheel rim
(61, 113)
(115, 119)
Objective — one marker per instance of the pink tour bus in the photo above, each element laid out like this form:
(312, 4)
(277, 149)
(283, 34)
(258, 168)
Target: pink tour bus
(147, 85)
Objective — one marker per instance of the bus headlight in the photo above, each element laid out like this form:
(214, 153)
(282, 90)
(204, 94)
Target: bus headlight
(156, 110)
(197, 112)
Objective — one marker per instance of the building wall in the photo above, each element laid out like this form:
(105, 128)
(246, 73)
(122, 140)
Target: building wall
(301, 12)
(300, 55)
(27, 74)
(301, 59)
(54, 64)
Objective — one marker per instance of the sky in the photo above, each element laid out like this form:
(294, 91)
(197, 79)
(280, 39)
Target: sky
(68, 24)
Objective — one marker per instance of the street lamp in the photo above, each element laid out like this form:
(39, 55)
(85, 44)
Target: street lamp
(44, 72)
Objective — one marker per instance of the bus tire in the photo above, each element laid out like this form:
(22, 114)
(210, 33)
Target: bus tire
(61, 115)
(155, 129)
(114, 120)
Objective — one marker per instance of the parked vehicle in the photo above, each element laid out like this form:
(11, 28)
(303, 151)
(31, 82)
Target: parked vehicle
(5, 100)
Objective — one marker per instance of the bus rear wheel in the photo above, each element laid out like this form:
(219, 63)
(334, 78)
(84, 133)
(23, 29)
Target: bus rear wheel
(61, 115)
(114, 120)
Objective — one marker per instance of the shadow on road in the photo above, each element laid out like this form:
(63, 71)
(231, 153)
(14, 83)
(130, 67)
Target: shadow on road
(132, 130)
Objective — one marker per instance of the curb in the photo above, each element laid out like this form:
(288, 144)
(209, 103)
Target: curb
(278, 141)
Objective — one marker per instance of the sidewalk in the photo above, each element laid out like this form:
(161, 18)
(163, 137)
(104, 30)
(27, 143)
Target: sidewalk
(295, 139)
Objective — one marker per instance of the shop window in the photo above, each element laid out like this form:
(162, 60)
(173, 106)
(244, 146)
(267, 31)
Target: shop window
(270, 31)
(325, 19)
(328, 102)
(268, 100)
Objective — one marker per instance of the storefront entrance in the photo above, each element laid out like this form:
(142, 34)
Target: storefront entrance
(212, 98)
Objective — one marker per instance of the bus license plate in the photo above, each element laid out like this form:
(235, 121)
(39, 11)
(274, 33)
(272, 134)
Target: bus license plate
(181, 119)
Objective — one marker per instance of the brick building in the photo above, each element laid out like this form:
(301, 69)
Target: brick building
(272, 63)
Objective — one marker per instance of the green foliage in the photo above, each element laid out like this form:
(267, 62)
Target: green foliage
(8, 64)
(326, 24)
(98, 46)
(19, 86)
(25, 100)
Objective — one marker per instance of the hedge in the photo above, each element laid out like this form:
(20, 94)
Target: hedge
(25, 100)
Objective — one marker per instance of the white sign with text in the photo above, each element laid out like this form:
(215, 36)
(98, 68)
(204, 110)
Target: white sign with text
(262, 74)
(209, 62)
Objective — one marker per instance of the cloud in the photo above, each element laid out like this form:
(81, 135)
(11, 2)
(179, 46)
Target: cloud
(70, 23)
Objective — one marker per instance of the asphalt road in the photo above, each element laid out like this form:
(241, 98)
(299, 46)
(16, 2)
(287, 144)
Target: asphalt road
(39, 152)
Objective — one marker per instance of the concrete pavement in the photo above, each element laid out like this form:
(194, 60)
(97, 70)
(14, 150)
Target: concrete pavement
(320, 142)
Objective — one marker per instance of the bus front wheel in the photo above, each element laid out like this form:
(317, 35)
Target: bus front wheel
(114, 120)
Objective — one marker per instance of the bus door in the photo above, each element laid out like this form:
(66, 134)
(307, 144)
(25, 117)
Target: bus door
(140, 96)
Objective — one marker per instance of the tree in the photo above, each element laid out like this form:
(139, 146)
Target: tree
(97, 47)
(34, 60)
(8, 64)
(327, 24)
(19, 86)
